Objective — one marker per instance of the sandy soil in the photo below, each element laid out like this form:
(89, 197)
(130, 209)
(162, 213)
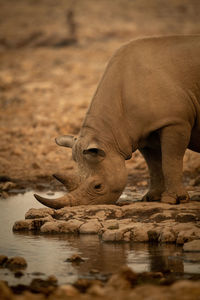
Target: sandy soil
(52, 55)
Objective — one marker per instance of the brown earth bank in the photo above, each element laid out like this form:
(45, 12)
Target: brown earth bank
(52, 55)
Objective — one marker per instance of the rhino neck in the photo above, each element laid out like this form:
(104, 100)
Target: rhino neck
(107, 115)
(108, 130)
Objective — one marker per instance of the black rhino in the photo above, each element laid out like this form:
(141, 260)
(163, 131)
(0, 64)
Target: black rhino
(147, 99)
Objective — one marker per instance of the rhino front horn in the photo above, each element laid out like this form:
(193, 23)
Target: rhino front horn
(61, 202)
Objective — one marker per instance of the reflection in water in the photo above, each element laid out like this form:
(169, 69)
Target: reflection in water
(47, 253)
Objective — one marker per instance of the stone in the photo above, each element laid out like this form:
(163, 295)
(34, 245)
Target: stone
(111, 224)
(140, 233)
(127, 236)
(39, 213)
(75, 258)
(3, 260)
(5, 291)
(109, 236)
(167, 235)
(92, 227)
(22, 225)
(6, 186)
(15, 263)
(66, 290)
(71, 226)
(96, 290)
(188, 235)
(122, 280)
(138, 222)
(185, 217)
(159, 217)
(50, 227)
(193, 246)
(19, 274)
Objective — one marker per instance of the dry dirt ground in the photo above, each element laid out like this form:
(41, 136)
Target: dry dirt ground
(52, 55)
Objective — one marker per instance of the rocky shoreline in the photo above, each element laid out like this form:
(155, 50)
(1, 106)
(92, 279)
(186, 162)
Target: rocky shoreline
(136, 222)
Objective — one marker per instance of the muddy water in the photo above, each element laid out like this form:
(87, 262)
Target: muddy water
(47, 254)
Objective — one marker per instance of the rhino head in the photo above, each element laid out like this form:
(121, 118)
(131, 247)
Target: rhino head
(101, 176)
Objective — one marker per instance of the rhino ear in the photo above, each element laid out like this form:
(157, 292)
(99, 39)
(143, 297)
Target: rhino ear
(94, 153)
(65, 141)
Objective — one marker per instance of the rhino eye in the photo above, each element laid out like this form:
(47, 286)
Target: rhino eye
(97, 186)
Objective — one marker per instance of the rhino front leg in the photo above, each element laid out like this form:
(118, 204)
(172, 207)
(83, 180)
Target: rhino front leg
(174, 141)
(153, 159)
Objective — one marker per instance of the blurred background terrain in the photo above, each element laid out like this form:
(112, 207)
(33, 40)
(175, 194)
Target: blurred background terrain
(52, 56)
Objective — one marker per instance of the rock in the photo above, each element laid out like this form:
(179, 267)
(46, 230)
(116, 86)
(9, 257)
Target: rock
(127, 236)
(195, 197)
(50, 227)
(52, 279)
(111, 224)
(96, 290)
(31, 224)
(188, 235)
(138, 222)
(123, 280)
(3, 260)
(82, 284)
(38, 213)
(39, 285)
(6, 186)
(22, 225)
(109, 236)
(159, 217)
(71, 226)
(167, 235)
(92, 227)
(75, 258)
(66, 290)
(185, 217)
(140, 233)
(5, 292)
(153, 235)
(193, 246)
(19, 274)
(16, 263)
(185, 289)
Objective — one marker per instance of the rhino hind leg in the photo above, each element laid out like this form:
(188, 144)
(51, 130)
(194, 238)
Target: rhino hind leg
(153, 159)
(174, 141)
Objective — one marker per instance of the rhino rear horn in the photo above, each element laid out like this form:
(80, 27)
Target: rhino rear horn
(70, 181)
(65, 141)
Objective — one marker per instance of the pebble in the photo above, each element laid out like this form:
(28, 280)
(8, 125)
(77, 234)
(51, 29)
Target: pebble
(76, 258)
(16, 263)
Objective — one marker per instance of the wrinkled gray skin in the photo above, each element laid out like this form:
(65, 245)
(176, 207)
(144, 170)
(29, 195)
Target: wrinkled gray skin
(148, 99)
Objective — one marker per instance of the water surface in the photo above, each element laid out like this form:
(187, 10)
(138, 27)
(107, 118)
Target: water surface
(46, 254)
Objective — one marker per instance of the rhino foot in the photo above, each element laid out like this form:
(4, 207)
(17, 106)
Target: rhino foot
(174, 198)
(151, 196)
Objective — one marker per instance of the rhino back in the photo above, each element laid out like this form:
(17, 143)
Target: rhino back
(148, 84)
(161, 82)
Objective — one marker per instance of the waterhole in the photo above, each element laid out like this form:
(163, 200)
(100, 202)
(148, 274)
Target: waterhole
(47, 254)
